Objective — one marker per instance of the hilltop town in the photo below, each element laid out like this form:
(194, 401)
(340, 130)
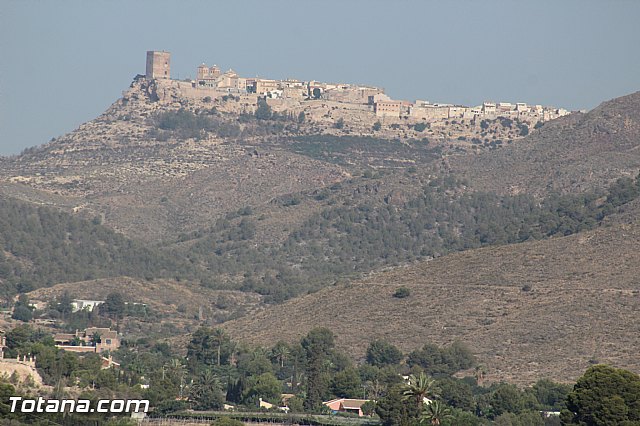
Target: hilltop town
(356, 109)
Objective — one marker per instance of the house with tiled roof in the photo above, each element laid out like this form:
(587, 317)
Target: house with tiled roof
(346, 405)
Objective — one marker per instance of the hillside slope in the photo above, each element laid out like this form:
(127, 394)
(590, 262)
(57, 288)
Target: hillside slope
(42, 246)
(530, 310)
(571, 154)
(150, 183)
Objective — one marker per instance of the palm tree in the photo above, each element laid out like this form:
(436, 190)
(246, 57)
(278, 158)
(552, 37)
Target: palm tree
(280, 353)
(419, 388)
(204, 390)
(219, 337)
(233, 352)
(434, 413)
(260, 352)
(176, 369)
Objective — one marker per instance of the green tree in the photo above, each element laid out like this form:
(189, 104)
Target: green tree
(550, 395)
(22, 313)
(205, 346)
(377, 126)
(280, 353)
(457, 394)
(235, 389)
(339, 124)
(113, 305)
(420, 387)
(434, 413)
(393, 409)
(506, 398)
(254, 363)
(463, 418)
(604, 396)
(318, 344)
(206, 393)
(63, 304)
(296, 404)
(265, 386)
(263, 112)
(219, 337)
(419, 127)
(347, 384)
(381, 353)
(442, 361)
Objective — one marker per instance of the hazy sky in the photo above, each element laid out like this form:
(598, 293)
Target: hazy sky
(64, 62)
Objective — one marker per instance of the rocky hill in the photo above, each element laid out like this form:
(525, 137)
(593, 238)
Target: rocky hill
(157, 162)
(151, 186)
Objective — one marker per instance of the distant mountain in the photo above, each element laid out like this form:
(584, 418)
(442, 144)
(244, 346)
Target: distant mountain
(570, 154)
(529, 310)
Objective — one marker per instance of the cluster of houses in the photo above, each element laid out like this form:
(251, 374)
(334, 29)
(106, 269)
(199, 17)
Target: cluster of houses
(212, 80)
(423, 110)
(381, 104)
(230, 82)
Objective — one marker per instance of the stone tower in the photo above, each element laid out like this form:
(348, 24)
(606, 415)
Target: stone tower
(158, 65)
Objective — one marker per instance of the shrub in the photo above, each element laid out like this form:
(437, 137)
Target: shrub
(420, 127)
(524, 129)
(402, 292)
(22, 313)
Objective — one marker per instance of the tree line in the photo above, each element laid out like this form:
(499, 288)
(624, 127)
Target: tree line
(433, 384)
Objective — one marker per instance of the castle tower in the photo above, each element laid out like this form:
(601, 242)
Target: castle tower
(158, 65)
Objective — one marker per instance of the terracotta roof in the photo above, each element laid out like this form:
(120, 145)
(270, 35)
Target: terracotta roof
(346, 403)
(354, 404)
